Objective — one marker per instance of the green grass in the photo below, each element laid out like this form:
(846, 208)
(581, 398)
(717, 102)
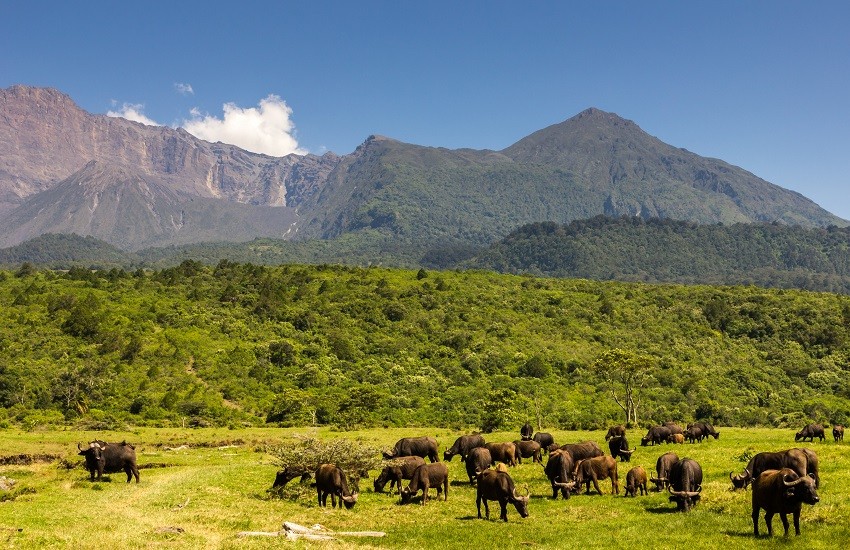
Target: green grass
(225, 487)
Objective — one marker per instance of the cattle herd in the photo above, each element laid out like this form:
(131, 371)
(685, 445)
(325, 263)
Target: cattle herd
(781, 481)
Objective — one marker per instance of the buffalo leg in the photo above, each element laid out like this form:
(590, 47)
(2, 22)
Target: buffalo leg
(446, 489)
(768, 519)
(756, 521)
(796, 523)
(784, 517)
(478, 505)
(503, 504)
(595, 485)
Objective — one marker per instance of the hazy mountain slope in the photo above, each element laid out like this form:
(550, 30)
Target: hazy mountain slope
(125, 209)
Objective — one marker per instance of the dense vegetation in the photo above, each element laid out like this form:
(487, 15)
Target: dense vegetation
(349, 347)
(659, 250)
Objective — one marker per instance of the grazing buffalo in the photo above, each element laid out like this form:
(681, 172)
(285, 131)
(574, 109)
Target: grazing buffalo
(503, 452)
(655, 435)
(795, 459)
(528, 449)
(102, 457)
(425, 477)
(544, 439)
(414, 446)
(594, 469)
(685, 483)
(663, 466)
(636, 480)
(580, 451)
(619, 447)
(812, 465)
(330, 480)
(674, 428)
(810, 432)
(559, 469)
(615, 431)
(838, 432)
(706, 429)
(463, 445)
(397, 470)
(781, 491)
(499, 486)
(676, 438)
(694, 434)
(478, 460)
(526, 431)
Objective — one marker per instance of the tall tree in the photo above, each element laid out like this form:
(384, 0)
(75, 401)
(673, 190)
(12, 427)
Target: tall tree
(626, 372)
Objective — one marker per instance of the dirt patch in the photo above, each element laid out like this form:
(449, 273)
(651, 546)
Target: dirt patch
(27, 459)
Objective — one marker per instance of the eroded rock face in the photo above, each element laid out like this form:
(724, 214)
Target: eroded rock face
(45, 137)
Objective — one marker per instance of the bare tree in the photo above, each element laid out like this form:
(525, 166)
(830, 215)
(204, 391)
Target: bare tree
(626, 372)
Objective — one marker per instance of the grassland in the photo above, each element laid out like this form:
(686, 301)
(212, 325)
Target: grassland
(217, 487)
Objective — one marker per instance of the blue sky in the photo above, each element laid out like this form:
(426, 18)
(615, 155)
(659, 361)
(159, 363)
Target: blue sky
(764, 85)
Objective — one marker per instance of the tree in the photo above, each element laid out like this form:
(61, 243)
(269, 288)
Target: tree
(625, 372)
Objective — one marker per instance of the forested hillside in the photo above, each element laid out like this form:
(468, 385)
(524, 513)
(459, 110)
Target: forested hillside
(352, 347)
(658, 250)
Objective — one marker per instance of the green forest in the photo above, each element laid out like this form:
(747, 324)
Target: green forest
(347, 347)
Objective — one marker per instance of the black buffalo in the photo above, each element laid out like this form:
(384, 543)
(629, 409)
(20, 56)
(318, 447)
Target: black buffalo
(685, 483)
(102, 457)
(463, 445)
(619, 447)
(781, 491)
(663, 466)
(706, 429)
(583, 450)
(544, 439)
(694, 434)
(674, 428)
(414, 446)
(499, 486)
(399, 469)
(330, 480)
(526, 431)
(478, 460)
(425, 477)
(810, 432)
(655, 435)
(838, 432)
(795, 459)
(559, 469)
(528, 449)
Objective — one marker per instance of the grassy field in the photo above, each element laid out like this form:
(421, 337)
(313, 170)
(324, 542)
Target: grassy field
(216, 487)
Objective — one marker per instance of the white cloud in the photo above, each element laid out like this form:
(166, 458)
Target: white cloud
(265, 129)
(184, 89)
(133, 112)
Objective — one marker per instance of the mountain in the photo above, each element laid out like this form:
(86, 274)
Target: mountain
(177, 189)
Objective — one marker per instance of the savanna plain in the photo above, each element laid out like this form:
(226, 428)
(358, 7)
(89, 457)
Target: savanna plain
(201, 487)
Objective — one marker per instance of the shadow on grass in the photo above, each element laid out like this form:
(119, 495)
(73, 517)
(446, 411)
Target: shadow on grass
(660, 509)
(459, 483)
(745, 535)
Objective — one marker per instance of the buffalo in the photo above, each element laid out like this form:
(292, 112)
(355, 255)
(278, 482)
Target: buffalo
(636, 480)
(812, 465)
(655, 435)
(706, 429)
(544, 439)
(499, 486)
(781, 491)
(478, 460)
(559, 469)
(528, 449)
(330, 480)
(463, 445)
(674, 428)
(685, 483)
(838, 432)
(425, 477)
(810, 432)
(580, 451)
(694, 434)
(397, 470)
(795, 459)
(414, 446)
(676, 438)
(594, 469)
(526, 431)
(102, 457)
(663, 466)
(615, 431)
(503, 452)
(619, 447)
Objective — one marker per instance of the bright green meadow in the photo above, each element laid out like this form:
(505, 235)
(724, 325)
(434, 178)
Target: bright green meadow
(203, 495)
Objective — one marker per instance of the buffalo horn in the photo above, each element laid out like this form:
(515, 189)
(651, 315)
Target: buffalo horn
(792, 483)
(627, 451)
(676, 493)
(79, 447)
